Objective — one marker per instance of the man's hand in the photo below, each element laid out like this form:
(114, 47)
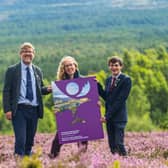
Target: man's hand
(103, 120)
(8, 115)
(49, 88)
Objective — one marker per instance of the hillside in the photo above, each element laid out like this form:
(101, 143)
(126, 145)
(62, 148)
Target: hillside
(91, 21)
(83, 28)
(91, 31)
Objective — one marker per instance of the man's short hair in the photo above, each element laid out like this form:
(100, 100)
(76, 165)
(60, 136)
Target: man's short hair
(115, 59)
(26, 45)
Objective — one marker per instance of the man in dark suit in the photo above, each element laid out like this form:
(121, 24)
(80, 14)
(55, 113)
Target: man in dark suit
(22, 99)
(117, 89)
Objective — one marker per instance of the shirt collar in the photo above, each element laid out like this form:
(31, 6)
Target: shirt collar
(24, 66)
(116, 76)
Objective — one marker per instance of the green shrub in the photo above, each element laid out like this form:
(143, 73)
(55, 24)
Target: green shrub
(137, 123)
(47, 124)
(31, 162)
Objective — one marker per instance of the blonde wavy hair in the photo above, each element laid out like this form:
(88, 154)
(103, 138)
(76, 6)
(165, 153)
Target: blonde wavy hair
(61, 68)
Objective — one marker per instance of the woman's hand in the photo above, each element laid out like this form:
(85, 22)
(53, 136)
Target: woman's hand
(103, 119)
(56, 110)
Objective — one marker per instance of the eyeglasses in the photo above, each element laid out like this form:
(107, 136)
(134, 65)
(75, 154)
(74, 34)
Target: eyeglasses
(26, 51)
(68, 65)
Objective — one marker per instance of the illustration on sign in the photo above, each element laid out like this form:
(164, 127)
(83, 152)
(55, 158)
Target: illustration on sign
(75, 102)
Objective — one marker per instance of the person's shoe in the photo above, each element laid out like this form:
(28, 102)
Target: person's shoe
(123, 153)
(29, 153)
(113, 151)
(53, 156)
(18, 157)
(82, 148)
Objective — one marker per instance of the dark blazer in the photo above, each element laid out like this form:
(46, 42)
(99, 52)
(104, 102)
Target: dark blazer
(12, 85)
(115, 100)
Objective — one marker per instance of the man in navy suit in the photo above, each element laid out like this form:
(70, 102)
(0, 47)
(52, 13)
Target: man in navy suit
(117, 89)
(22, 99)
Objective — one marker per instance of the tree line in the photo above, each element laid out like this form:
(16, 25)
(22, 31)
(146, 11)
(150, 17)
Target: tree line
(148, 101)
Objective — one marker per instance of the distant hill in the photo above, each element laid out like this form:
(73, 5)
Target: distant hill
(141, 18)
(139, 4)
(142, 4)
(91, 31)
(92, 28)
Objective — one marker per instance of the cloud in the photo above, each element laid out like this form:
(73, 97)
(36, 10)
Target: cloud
(139, 4)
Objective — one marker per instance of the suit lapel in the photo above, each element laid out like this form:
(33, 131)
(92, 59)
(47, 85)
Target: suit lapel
(120, 79)
(109, 83)
(18, 77)
(37, 78)
(118, 82)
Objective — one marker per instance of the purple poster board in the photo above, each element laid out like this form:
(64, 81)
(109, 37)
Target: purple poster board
(78, 113)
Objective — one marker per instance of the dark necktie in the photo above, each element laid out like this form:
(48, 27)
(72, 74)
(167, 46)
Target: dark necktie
(29, 90)
(112, 83)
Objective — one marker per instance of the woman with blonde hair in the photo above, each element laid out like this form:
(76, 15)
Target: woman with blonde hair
(67, 69)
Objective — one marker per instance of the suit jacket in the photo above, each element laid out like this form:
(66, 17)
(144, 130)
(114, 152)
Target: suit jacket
(115, 100)
(12, 85)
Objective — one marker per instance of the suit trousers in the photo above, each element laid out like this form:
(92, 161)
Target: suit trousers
(115, 131)
(25, 126)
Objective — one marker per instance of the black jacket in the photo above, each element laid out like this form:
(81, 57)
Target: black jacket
(12, 85)
(115, 100)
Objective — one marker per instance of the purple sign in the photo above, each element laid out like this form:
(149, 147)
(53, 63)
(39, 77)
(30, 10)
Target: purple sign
(78, 113)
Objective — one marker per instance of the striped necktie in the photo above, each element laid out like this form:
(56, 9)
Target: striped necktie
(112, 83)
